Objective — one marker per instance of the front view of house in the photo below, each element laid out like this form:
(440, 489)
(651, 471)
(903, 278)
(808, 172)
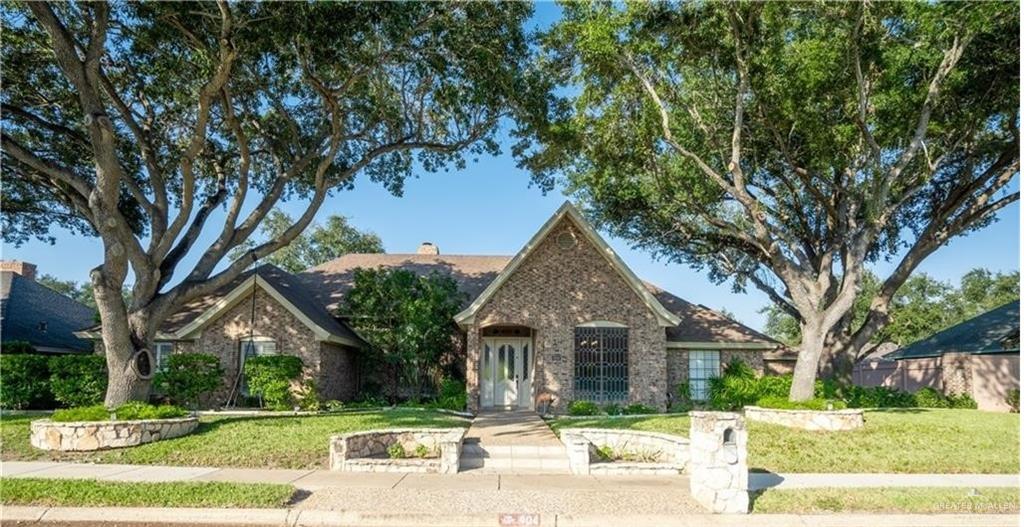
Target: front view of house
(562, 320)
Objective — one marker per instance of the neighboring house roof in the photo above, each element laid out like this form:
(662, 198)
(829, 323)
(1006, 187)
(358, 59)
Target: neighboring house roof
(567, 211)
(32, 312)
(996, 331)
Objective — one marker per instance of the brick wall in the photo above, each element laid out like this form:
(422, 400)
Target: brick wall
(557, 288)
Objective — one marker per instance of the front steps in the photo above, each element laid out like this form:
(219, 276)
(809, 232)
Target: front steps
(512, 459)
(512, 443)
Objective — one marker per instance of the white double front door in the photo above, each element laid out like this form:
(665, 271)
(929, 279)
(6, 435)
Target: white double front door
(506, 373)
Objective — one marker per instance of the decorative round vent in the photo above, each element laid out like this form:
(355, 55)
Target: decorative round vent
(566, 240)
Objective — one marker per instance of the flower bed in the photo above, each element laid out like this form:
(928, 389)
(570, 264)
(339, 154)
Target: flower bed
(612, 451)
(83, 436)
(435, 450)
(815, 420)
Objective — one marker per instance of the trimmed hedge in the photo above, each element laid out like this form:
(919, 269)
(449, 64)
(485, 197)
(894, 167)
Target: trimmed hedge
(25, 381)
(189, 376)
(783, 403)
(270, 379)
(78, 380)
(584, 408)
(129, 411)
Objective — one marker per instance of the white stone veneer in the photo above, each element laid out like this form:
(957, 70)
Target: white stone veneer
(83, 436)
(367, 451)
(818, 420)
(671, 452)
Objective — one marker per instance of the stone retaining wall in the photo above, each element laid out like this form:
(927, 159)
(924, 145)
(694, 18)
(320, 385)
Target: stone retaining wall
(818, 420)
(368, 451)
(672, 452)
(82, 436)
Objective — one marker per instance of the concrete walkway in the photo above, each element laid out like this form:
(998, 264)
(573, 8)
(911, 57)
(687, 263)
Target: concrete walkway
(301, 518)
(320, 479)
(512, 442)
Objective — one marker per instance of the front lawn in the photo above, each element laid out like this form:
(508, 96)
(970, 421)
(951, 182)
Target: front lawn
(911, 500)
(92, 493)
(264, 442)
(906, 440)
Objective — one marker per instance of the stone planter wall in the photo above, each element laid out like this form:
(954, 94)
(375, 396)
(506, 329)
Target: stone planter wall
(818, 420)
(82, 436)
(581, 444)
(367, 451)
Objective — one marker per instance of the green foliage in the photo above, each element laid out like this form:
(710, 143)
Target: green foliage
(922, 305)
(138, 410)
(452, 395)
(407, 319)
(422, 451)
(877, 397)
(129, 411)
(24, 381)
(308, 397)
(16, 347)
(187, 377)
(928, 397)
(1013, 399)
(91, 493)
(638, 409)
(605, 453)
(740, 386)
(963, 401)
(270, 378)
(612, 409)
(783, 403)
(78, 380)
(316, 245)
(396, 451)
(79, 292)
(584, 408)
(96, 412)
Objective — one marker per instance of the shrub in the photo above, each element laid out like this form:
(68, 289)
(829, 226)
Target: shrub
(876, 397)
(451, 396)
(189, 376)
(133, 410)
(24, 381)
(1013, 399)
(78, 380)
(638, 409)
(422, 451)
(12, 347)
(583, 408)
(309, 396)
(95, 412)
(396, 451)
(612, 409)
(270, 378)
(963, 401)
(928, 397)
(783, 403)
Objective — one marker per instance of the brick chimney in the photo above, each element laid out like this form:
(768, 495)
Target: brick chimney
(17, 266)
(428, 248)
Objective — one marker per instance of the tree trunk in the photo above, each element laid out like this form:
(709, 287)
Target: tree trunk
(811, 346)
(120, 342)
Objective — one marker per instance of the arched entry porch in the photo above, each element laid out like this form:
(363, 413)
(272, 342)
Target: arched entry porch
(506, 367)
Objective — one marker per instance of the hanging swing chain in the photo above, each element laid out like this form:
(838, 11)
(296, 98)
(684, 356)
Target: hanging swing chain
(252, 313)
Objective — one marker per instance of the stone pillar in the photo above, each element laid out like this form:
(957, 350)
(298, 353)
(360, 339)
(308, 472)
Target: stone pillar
(718, 461)
(473, 368)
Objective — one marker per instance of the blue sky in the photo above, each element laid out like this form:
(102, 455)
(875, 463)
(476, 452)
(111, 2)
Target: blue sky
(490, 208)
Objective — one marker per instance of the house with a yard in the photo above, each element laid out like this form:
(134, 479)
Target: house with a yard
(34, 314)
(979, 357)
(563, 319)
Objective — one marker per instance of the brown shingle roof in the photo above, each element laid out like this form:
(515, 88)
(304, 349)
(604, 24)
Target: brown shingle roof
(701, 324)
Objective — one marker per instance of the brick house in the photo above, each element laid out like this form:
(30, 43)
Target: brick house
(561, 320)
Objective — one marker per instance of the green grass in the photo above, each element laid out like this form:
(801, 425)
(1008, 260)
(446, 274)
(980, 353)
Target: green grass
(265, 442)
(92, 493)
(900, 441)
(913, 500)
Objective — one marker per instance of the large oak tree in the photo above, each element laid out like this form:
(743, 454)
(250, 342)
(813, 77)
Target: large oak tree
(786, 145)
(135, 122)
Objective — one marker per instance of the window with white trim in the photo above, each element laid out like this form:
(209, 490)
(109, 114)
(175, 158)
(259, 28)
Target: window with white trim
(704, 365)
(257, 347)
(161, 352)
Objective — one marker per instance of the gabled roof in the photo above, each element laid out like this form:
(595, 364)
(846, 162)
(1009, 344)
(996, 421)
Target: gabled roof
(567, 211)
(702, 325)
(281, 285)
(32, 312)
(996, 331)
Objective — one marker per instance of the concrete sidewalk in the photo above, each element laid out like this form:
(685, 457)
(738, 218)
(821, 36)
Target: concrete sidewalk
(322, 479)
(303, 518)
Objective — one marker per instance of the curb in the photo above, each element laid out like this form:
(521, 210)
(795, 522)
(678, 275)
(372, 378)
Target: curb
(325, 518)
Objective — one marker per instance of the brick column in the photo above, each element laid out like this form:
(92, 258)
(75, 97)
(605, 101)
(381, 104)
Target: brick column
(956, 373)
(473, 368)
